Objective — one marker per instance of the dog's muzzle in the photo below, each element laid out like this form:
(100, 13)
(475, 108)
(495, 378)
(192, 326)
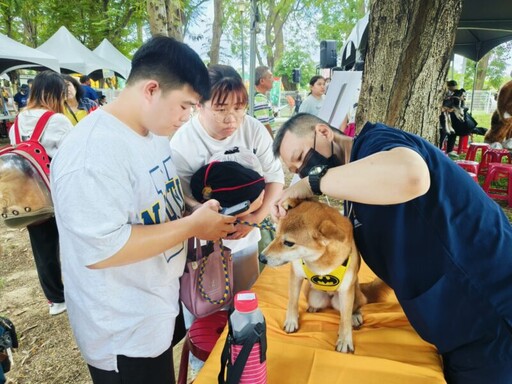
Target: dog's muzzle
(262, 258)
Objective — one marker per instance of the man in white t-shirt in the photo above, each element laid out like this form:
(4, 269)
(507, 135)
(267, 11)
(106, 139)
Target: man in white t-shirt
(120, 212)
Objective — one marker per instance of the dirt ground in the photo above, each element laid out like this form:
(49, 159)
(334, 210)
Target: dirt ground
(47, 353)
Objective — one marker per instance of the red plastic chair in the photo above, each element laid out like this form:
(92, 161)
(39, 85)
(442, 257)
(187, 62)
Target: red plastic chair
(493, 156)
(473, 176)
(200, 340)
(470, 166)
(474, 148)
(497, 171)
(463, 144)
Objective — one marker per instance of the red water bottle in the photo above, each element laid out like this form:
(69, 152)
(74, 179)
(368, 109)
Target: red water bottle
(248, 326)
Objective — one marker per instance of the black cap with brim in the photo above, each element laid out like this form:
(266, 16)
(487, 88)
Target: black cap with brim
(226, 181)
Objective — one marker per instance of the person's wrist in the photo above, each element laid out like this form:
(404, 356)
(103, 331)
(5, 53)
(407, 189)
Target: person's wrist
(308, 188)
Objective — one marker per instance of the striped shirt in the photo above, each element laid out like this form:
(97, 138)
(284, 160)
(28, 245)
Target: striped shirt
(263, 110)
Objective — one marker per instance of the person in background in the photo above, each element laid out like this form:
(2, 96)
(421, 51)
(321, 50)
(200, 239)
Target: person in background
(21, 97)
(89, 92)
(121, 212)
(30, 82)
(77, 106)
(313, 102)
(455, 93)
(103, 100)
(263, 110)
(450, 269)
(327, 82)
(48, 93)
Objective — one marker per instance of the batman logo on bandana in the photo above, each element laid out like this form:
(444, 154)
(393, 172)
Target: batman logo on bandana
(325, 280)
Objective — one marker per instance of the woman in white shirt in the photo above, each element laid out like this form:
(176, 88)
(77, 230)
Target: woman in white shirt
(222, 123)
(47, 94)
(313, 103)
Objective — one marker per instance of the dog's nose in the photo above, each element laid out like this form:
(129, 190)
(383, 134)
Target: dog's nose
(262, 258)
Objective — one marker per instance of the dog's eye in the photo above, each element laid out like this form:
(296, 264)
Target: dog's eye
(288, 243)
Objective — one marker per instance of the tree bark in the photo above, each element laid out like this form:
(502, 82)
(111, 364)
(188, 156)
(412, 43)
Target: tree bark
(214, 52)
(277, 16)
(175, 19)
(481, 71)
(157, 14)
(407, 61)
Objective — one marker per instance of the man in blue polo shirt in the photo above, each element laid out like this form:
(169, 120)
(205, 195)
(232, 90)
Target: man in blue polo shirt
(89, 92)
(424, 227)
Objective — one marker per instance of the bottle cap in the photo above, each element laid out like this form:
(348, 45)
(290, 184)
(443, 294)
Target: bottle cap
(246, 301)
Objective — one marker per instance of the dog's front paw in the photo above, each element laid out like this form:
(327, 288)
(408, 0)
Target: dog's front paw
(345, 346)
(312, 309)
(291, 324)
(357, 320)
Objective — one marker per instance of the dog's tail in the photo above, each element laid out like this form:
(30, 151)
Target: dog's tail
(375, 291)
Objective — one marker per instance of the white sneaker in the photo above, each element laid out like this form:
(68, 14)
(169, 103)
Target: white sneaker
(56, 308)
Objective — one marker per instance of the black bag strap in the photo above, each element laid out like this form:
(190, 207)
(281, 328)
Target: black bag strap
(234, 374)
(71, 111)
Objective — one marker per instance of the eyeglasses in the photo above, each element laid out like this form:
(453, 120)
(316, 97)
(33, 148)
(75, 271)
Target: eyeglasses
(222, 114)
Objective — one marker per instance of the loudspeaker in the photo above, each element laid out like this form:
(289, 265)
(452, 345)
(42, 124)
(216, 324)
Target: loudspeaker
(296, 75)
(328, 55)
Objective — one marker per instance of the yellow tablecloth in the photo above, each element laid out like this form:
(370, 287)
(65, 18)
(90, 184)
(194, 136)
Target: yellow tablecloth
(387, 349)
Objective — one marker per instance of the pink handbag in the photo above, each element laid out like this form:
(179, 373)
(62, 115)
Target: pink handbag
(207, 282)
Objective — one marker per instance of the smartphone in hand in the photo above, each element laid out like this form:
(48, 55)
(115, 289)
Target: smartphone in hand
(236, 209)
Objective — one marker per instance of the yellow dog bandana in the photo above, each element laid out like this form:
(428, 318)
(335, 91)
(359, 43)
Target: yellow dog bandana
(329, 282)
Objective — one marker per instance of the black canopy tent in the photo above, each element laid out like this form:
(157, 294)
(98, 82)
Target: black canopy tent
(482, 27)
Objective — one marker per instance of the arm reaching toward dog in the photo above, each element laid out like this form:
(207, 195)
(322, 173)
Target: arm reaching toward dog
(389, 177)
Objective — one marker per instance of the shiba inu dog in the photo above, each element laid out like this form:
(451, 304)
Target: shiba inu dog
(319, 243)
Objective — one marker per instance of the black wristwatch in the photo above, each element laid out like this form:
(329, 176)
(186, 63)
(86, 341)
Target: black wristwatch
(315, 174)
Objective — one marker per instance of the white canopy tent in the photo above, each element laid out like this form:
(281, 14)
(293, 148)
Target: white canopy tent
(15, 55)
(110, 53)
(72, 55)
(351, 52)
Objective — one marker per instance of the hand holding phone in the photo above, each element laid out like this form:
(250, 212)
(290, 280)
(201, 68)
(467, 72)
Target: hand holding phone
(236, 209)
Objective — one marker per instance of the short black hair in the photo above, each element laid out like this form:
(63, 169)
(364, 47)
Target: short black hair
(217, 72)
(451, 83)
(172, 63)
(301, 124)
(84, 78)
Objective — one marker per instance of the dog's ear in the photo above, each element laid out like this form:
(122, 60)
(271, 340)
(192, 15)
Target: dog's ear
(331, 231)
(291, 203)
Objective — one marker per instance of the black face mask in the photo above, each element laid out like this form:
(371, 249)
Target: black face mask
(314, 158)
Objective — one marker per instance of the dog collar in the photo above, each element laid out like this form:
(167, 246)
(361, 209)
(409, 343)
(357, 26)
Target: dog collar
(329, 282)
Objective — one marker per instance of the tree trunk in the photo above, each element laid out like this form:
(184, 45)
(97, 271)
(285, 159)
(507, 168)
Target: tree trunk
(274, 24)
(157, 14)
(216, 31)
(409, 49)
(481, 71)
(175, 19)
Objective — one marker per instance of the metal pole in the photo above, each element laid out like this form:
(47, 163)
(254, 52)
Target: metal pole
(243, 55)
(473, 91)
(252, 56)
